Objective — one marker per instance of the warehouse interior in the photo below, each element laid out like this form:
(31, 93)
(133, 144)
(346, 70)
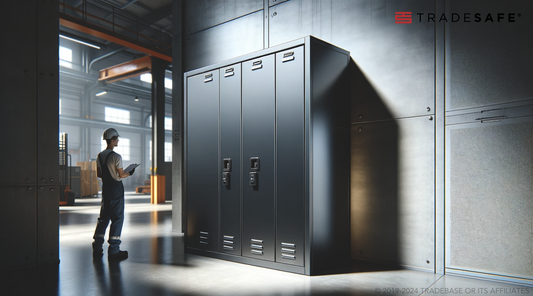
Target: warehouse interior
(441, 141)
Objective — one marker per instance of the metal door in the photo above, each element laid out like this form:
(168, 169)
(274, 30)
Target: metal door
(258, 136)
(290, 157)
(202, 160)
(230, 162)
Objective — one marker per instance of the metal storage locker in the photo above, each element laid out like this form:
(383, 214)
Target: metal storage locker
(202, 160)
(230, 158)
(258, 136)
(272, 133)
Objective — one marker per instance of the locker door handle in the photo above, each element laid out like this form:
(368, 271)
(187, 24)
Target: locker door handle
(208, 77)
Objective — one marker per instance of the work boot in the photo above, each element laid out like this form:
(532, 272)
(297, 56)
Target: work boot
(121, 255)
(98, 253)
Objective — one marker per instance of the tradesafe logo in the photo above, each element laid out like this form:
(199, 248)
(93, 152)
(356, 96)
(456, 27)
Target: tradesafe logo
(406, 17)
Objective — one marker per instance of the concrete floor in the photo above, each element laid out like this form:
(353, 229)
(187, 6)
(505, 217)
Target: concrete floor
(158, 266)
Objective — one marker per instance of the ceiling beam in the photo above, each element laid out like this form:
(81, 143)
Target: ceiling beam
(87, 28)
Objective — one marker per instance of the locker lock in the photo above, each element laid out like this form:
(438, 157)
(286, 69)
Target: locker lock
(253, 178)
(226, 178)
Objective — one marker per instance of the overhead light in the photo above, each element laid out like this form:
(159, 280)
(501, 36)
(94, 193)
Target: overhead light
(101, 93)
(136, 99)
(79, 41)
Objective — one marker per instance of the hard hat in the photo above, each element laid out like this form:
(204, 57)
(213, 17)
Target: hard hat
(110, 133)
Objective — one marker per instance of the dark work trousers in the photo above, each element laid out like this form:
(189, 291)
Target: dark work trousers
(112, 209)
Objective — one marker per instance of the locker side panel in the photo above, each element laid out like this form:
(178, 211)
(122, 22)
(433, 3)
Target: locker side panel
(202, 160)
(230, 162)
(258, 136)
(290, 157)
(329, 158)
(20, 238)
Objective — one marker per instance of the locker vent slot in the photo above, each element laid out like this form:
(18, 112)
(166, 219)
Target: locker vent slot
(257, 65)
(288, 245)
(227, 242)
(288, 251)
(204, 237)
(229, 72)
(257, 246)
(288, 56)
(208, 77)
(285, 256)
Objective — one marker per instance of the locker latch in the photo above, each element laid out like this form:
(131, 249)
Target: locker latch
(208, 77)
(254, 164)
(226, 165)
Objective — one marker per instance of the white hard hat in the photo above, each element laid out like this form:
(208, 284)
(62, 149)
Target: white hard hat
(110, 133)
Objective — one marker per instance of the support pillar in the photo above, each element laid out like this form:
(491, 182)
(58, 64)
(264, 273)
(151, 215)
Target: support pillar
(158, 131)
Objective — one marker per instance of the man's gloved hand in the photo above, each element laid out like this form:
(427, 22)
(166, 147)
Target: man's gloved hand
(132, 171)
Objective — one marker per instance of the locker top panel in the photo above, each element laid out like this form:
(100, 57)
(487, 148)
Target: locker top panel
(253, 55)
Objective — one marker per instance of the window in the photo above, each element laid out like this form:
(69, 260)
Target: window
(148, 78)
(168, 83)
(117, 115)
(168, 151)
(123, 148)
(168, 123)
(65, 57)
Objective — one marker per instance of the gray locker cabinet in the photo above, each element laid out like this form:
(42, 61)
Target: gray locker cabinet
(258, 136)
(202, 161)
(230, 156)
(275, 138)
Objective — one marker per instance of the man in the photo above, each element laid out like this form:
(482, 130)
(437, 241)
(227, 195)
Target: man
(110, 170)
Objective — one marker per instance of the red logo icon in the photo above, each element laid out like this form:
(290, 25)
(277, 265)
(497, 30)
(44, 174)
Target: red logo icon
(404, 17)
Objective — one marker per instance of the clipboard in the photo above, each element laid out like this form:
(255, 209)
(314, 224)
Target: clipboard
(131, 167)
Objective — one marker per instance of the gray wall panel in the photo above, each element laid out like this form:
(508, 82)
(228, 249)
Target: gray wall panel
(489, 62)
(393, 192)
(397, 60)
(232, 39)
(489, 181)
(298, 18)
(203, 14)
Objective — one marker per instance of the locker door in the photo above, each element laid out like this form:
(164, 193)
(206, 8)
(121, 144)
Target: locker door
(202, 160)
(230, 159)
(290, 157)
(258, 136)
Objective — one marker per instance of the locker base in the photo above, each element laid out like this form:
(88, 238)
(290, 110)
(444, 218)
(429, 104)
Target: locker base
(249, 261)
